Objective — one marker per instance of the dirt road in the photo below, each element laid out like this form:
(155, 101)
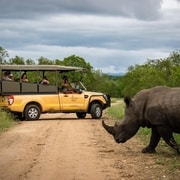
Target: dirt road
(63, 147)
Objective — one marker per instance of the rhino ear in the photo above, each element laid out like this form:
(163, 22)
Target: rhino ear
(128, 101)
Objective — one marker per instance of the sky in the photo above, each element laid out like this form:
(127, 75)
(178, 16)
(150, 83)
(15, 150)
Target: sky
(109, 34)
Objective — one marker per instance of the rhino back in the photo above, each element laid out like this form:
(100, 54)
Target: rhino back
(159, 106)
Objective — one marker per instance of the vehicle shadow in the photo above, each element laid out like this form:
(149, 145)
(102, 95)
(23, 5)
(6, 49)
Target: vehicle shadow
(62, 116)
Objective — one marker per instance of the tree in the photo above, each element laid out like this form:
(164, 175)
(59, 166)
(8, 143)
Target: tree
(155, 72)
(43, 60)
(175, 57)
(3, 55)
(59, 62)
(86, 77)
(30, 62)
(17, 60)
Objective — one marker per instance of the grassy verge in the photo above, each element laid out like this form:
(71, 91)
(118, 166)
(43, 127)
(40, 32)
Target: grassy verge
(165, 154)
(6, 120)
(116, 111)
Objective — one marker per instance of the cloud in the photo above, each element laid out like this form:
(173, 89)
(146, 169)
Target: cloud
(107, 60)
(140, 9)
(111, 35)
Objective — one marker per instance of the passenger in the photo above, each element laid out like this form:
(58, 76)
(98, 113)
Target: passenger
(44, 80)
(66, 87)
(6, 76)
(24, 78)
(11, 76)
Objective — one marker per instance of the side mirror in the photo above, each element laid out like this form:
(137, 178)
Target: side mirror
(79, 91)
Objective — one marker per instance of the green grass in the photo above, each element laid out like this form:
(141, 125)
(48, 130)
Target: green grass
(117, 109)
(114, 100)
(6, 120)
(116, 112)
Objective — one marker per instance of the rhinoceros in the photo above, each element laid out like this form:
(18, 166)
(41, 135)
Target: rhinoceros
(157, 108)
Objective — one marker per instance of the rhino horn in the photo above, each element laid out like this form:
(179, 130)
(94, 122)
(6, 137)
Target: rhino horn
(109, 129)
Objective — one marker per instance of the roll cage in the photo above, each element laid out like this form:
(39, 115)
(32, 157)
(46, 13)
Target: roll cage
(19, 87)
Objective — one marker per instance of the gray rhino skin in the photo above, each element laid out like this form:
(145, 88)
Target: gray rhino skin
(156, 108)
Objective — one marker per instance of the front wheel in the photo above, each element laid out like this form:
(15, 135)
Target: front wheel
(96, 111)
(81, 115)
(32, 112)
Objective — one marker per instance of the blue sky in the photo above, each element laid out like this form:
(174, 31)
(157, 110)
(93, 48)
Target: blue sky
(109, 34)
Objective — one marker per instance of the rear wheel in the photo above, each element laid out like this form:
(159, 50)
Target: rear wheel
(81, 115)
(32, 112)
(96, 111)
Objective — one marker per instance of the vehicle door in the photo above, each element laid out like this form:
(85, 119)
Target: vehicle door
(72, 101)
(50, 102)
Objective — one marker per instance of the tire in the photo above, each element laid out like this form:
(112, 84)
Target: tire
(96, 111)
(32, 112)
(81, 115)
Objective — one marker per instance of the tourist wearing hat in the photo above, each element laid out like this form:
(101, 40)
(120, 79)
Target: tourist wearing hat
(6, 76)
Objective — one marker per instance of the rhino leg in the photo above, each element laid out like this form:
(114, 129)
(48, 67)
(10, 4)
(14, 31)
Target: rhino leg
(174, 145)
(155, 137)
(166, 134)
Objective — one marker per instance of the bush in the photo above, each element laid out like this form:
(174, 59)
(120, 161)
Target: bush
(6, 121)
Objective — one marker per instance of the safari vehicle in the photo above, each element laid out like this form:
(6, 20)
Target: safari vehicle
(28, 100)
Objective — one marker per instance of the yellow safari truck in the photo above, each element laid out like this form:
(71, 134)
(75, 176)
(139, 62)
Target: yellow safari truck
(29, 99)
(3, 101)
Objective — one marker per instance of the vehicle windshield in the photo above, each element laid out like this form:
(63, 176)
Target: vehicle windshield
(78, 85)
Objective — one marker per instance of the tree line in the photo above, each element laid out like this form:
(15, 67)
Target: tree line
(154, 72)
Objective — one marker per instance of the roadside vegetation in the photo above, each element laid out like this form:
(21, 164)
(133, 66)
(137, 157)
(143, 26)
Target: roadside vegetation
(154, 72)
(7, 121)
(164, 155)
